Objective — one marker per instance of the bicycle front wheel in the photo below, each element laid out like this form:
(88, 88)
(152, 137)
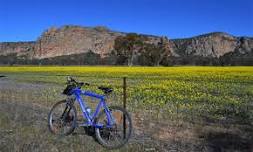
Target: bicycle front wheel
(117, 135)
(62, 118)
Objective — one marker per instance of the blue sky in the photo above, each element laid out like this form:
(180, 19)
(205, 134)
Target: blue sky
(25, 20)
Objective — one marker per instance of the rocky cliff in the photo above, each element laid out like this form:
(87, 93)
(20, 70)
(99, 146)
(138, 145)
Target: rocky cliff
(71, 40)
(212, 45)
(19, 48)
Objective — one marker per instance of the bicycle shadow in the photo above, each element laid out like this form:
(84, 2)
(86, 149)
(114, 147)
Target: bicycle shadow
(87, 131)
(231, 134)
(217, 141)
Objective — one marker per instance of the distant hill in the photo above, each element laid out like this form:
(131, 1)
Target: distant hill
(75, 45)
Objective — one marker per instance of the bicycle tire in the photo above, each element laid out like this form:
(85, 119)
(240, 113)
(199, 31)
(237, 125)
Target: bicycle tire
(73, 122)
(98, 131)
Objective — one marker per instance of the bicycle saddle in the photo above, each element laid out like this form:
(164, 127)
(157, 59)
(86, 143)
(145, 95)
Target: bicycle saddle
(106, 90)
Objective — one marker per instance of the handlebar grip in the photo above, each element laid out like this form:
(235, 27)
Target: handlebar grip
(70, 79)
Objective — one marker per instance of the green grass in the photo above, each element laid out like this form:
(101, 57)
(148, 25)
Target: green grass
(214, 91)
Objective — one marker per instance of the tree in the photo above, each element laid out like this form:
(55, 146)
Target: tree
(163, 50)
(155, 53)
(127, 47)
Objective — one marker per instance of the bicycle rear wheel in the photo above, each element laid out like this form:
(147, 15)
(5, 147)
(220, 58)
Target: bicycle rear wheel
(119, 134)
(62, 118)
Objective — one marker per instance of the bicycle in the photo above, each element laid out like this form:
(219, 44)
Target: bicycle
(112, 125)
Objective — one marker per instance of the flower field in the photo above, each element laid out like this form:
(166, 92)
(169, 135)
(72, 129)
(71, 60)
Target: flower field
(217, 92)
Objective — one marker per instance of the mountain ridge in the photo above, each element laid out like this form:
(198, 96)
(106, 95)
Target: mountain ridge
(134, 49)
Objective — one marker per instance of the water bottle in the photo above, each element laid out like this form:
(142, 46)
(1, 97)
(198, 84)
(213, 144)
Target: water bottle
(88, 110)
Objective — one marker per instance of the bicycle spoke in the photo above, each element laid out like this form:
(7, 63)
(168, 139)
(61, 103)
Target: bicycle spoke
(62, 118)
(116, 135)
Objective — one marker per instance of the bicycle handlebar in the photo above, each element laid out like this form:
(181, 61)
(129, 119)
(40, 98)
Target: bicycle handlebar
(72, 80)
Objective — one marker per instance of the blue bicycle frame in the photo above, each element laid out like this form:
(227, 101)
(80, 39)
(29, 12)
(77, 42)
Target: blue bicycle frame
(91, 117)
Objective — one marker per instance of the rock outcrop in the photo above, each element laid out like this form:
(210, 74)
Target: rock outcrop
(209, 45)
(74, 40)
(19, 48)
(244, 45)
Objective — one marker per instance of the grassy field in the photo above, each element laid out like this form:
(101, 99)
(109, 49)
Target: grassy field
(192, 97)
(217, 90)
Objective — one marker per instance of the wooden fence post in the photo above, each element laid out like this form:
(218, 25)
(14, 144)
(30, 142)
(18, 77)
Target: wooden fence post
(124, 105)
